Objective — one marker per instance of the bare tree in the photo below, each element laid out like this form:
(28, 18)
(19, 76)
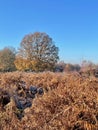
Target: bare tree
(40, 50)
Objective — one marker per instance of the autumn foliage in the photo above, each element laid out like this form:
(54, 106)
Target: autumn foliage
(37, 52)
(69, 102)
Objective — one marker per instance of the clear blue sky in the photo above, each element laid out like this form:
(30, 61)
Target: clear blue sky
(73, 25)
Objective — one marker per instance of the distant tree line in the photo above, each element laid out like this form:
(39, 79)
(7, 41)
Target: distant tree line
(37, 52)
(68, 67)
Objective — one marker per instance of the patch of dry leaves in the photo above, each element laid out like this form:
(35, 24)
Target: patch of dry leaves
(70, 102)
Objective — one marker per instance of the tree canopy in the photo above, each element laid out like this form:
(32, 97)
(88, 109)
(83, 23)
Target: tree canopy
(7, 57)
(37, 52)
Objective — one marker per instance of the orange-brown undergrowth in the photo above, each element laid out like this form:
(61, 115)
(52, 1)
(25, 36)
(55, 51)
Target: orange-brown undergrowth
(70, 102)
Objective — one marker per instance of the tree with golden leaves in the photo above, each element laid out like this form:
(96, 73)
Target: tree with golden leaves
(39, 50)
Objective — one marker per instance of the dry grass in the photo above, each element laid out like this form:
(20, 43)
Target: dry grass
(70, 102)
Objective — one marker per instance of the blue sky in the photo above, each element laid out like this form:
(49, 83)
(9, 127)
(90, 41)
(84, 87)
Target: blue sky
(73, 25)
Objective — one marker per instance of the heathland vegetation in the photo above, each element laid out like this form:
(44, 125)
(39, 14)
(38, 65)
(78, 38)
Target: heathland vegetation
(65, 102)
